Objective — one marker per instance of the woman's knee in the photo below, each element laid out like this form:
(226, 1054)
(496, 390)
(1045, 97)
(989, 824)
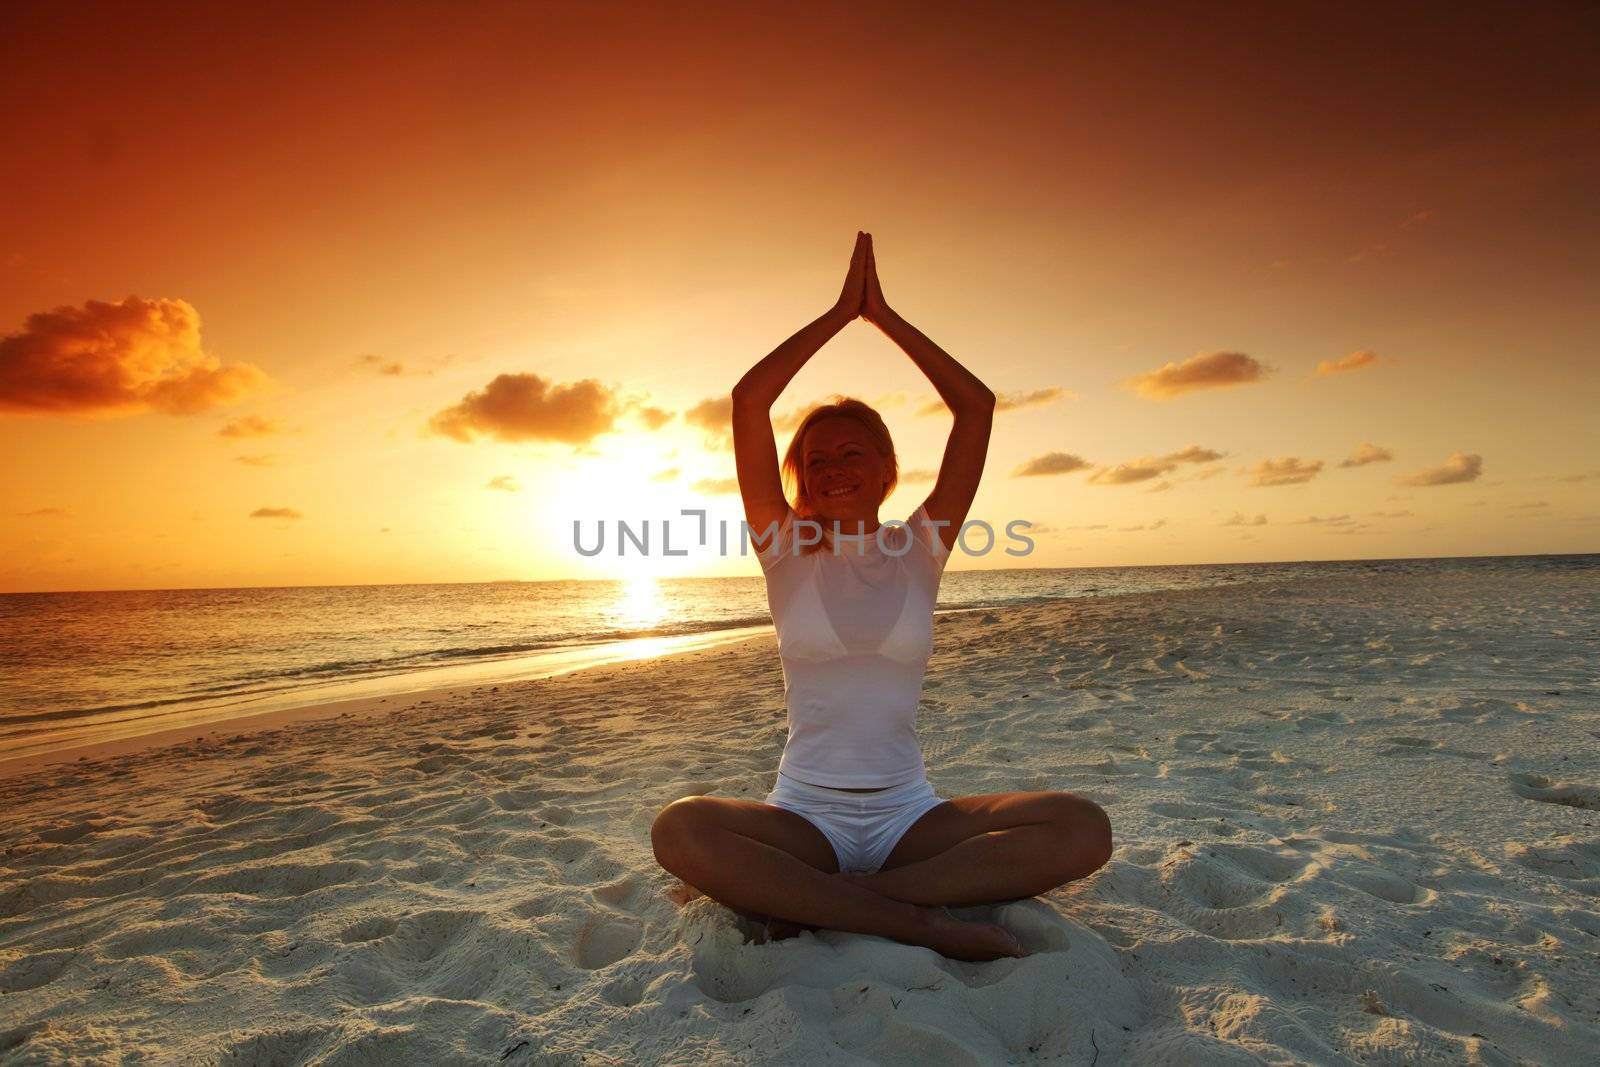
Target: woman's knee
(1088, 836)
(675, 826)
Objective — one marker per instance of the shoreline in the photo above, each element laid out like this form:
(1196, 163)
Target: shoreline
(387, 693)
(385, 701)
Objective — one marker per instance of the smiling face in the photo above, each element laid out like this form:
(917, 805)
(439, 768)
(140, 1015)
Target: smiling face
(844, 475)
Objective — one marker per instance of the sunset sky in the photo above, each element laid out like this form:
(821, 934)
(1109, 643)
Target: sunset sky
(353, 294)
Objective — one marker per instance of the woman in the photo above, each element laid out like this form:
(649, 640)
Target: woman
(852, 836)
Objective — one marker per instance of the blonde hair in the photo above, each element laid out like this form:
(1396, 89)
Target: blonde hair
(793, 465)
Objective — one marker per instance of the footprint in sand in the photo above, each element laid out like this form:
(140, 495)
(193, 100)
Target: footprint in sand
(625, 992)
(35, 970)
(1388, 886)
(1476, 712)
(556, 815)
(1561, 857)
(1233, 892)
(518, 799)
(1193, 742)
(371, 928)
(604, 940)
(623, 895)
(1407, 746)
(1573, 795)
(425, 936)
(1179, 809)
(291, 1045)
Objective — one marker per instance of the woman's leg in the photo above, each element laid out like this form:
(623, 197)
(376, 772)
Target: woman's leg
(733, 851)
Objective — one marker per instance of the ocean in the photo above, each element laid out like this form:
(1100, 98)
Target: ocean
(81, 667)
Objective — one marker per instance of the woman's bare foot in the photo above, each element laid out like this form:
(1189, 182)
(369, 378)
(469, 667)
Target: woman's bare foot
(783, 929)
(947, 935)
(973, 942)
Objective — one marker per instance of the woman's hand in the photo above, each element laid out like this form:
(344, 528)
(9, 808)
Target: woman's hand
(873, 307)
(849, 305)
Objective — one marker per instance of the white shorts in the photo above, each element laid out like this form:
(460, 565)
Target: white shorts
(862, 827)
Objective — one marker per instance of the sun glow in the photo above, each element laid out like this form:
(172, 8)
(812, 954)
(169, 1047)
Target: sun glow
(640, 605)
(624, 484)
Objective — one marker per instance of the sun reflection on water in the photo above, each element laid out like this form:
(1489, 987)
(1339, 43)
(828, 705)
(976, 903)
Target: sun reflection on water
(640, 605)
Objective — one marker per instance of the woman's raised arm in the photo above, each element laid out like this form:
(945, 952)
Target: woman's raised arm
(969, 399)
(755, 450)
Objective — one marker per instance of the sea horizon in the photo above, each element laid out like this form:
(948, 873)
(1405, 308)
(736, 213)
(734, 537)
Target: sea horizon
(742, 577)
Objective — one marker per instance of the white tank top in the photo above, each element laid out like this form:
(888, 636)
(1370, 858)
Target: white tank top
(855, 630)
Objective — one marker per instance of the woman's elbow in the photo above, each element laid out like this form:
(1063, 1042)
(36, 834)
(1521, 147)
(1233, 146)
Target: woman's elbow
(981, 401)
(747, 396)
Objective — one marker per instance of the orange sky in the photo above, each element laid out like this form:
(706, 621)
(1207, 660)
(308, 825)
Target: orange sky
(328, 232)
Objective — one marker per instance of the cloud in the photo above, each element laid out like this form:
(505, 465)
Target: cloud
(1153, 526)
(1193, 454)
(1392, 514)
(921, 474)
(1535, 504)
(42, 513)
(716, 486)
(1425, 215)
(275, 513)
(715, 417)
(1331, 520)
(1345, 364)
(106, 359)
(1460, 467)
(503, 482)
(1127, 473)
(1206, 370)
(666, 475)
(1240, 520)
(1051, 463)
(525, 407)
(653, 417)
(1012, 401)
(1008, 401)
(392, 368)
(1286, 471)
(1376, 250)
(251, 426)
(1205, 473)
(1367, 453)
(1160, 487)
(1147, 467)
(792, 418)
(257, 461)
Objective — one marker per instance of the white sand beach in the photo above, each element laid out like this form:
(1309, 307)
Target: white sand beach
(1356, 821)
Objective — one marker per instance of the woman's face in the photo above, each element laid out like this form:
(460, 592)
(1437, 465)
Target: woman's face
(842, 472)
